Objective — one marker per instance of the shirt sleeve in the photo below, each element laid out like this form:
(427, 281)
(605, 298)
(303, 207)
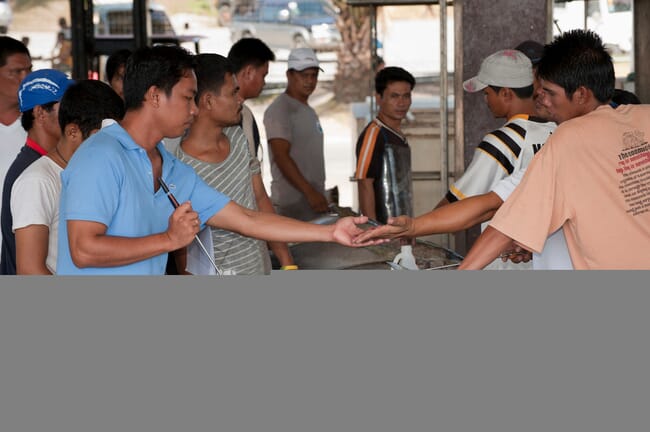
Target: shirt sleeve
(91, 186)
(536, 208)
(478, 178)
(276, 122)
(39, 207)
(368, 151)
(506, 186)
(492, 161)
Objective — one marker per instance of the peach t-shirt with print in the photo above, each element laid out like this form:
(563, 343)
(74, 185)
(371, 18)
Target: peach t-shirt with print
(592, 177)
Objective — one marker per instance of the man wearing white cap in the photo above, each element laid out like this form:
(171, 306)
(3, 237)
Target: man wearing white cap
(506, 80)
(295, 141)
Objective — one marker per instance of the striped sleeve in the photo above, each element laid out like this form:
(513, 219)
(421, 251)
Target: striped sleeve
(366, 152)
(496, 157)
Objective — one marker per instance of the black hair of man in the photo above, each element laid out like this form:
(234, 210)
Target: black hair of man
(532, 49)
(578, 58)
(161, 66)
(86, 103)
(27, 118)
(391, 74)
(624, 97)
(211, 70)
(249, 51)
(114, 61)
(10, 46)
(520, 92)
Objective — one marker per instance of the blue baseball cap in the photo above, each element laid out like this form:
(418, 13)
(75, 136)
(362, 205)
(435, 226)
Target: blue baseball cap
(41, 87)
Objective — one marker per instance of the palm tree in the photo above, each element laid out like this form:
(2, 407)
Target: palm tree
(352, 81)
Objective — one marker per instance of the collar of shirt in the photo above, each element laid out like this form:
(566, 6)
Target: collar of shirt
(34, 146)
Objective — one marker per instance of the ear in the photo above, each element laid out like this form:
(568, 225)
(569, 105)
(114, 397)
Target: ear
(248, 72)
(153, 96)
(377, 98)
(581, 95)
(39, 112)
(506, 94)
(72, 131)
(206, 100)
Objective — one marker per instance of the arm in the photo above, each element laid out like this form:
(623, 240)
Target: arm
(280, 148)
(273, 227)
(280, 249)
(367, 197)
(32, 244)
(91, 247)
(486, 249)
(452, 217)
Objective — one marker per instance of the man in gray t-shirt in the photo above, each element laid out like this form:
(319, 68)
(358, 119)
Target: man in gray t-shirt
(295, 141)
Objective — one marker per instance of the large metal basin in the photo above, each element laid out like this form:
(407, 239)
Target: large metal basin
(332, 256)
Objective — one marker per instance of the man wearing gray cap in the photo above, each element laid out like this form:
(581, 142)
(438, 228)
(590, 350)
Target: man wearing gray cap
(295, 141)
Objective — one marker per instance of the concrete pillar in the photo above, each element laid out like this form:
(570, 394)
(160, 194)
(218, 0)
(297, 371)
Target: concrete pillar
(642, 47)
(486, 27)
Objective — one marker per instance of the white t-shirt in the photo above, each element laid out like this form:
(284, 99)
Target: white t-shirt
(12, 139)
(555, 255)
(35, 201)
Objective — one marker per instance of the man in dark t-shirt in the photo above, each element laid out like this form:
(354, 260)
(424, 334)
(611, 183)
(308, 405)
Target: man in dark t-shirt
(383, 171)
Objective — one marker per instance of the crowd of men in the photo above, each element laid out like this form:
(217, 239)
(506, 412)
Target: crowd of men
(151, 172)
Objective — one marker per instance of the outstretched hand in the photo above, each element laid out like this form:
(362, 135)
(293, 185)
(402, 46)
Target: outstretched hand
(346, 232)
(395, 227)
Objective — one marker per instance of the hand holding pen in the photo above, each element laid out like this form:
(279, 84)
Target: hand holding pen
(187, 218)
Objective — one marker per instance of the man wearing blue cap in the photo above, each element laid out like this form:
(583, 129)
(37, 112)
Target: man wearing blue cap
(38, 97)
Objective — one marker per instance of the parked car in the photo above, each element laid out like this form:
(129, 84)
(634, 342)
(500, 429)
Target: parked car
(113, 22)
(289, 24)
(5, 16)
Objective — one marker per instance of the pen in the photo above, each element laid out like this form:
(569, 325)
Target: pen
(175, 203)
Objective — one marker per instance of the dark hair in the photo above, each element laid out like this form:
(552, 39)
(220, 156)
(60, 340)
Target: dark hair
(532, 49)
(27, 118)
(86, 103)
(249, 51)
(162, 66)
(391, 74)
(10, 46)
(578, 58)
(624, 97)
(114, 61)
(211, 70)
(521, 92)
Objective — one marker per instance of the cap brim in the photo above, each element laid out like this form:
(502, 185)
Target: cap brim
(473, 85)
(300, 68)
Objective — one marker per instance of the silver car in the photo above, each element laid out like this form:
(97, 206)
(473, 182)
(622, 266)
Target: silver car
(289, 24)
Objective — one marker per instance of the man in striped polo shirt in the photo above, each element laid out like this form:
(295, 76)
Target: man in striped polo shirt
(383, 171)
(506, 80)
(217, 148)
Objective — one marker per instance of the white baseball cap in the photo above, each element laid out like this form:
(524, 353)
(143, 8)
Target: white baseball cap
(506, 68)
(302, 58)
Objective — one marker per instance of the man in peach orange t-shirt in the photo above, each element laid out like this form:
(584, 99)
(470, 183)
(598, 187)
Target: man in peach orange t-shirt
(591, 178)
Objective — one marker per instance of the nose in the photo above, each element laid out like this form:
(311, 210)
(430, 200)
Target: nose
(194, 109)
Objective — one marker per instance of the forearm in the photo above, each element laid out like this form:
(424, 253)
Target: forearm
(110, 251)
(367, 198)
(486, 249)
(280, 249)
(269, 226)
(457, 216)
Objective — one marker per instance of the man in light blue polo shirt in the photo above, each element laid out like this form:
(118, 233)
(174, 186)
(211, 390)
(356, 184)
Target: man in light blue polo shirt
(115, 218)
